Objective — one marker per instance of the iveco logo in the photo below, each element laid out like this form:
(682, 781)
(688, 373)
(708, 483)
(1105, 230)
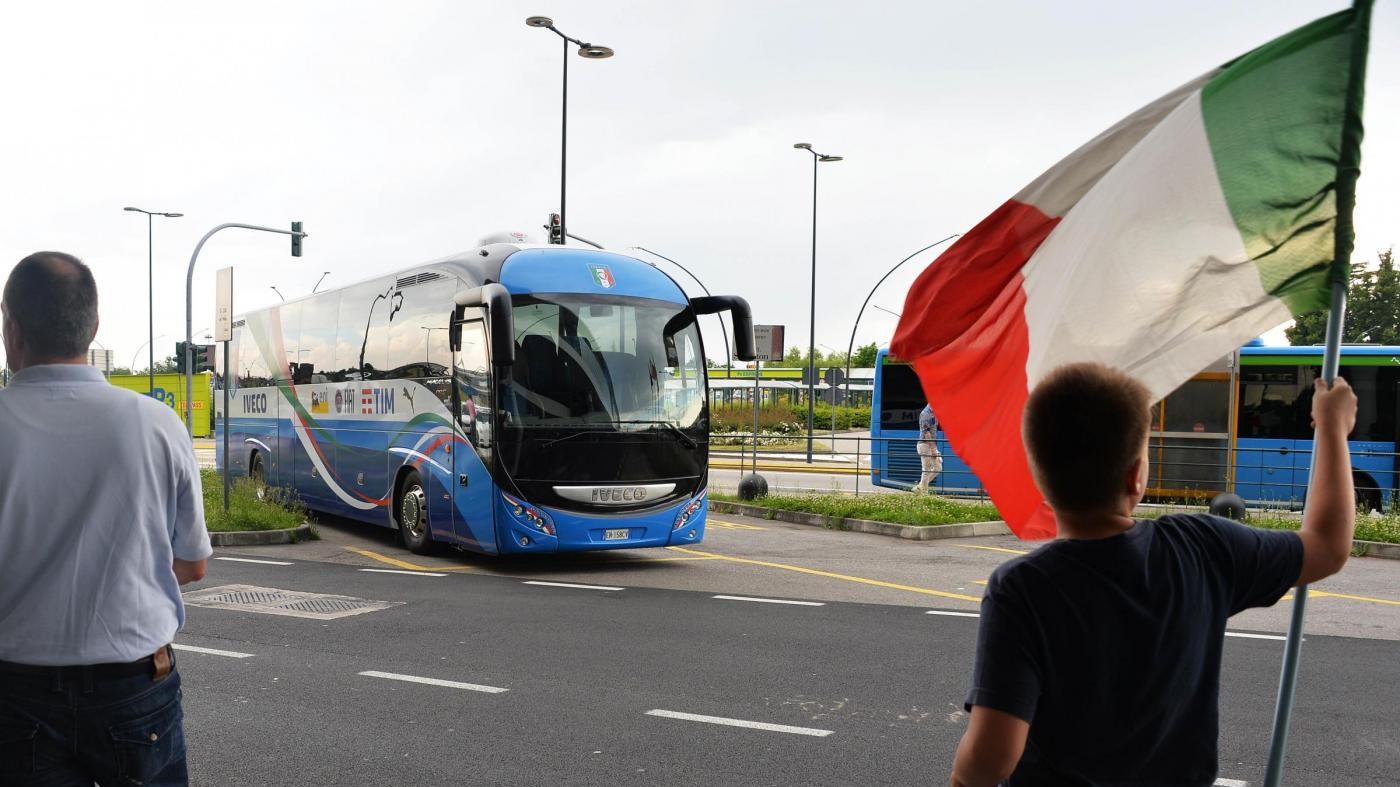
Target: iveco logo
(619, 494)
(615, 495)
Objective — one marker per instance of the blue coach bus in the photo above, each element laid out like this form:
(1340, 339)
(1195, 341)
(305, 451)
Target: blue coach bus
(1237, 426)
(515, 398)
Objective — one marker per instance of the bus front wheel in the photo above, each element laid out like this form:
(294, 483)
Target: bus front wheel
(411, 509)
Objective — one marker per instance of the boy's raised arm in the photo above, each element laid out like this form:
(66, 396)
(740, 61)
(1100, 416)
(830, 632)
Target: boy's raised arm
(1330, 515)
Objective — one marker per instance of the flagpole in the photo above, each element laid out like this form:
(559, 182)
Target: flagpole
(1348, 170)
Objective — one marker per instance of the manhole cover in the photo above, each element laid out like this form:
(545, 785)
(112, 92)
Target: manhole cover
(292, 603)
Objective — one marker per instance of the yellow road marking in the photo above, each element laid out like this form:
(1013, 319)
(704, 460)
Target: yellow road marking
(831, 575)
(733, 525)
(979, 581)
(1368, 599)
(393, 561)
(993, 549)
(670, 559)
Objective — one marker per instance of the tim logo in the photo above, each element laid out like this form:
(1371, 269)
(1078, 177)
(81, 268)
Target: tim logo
(602, 276)
(376, 401)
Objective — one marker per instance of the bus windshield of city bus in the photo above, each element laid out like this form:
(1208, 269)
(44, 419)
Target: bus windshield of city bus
(629, 364)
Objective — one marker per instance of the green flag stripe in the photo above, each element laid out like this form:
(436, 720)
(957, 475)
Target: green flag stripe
(1274, 120)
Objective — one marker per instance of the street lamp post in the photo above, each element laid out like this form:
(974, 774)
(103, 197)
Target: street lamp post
(728, 357)
(585, 50)
(850, 347)
(892, 312)
(138, 352)
(812, 334)
(189, 303)
(318, 283)
(279, 292)
(151, 289)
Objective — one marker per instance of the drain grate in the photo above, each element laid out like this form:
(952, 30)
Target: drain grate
(292, 603)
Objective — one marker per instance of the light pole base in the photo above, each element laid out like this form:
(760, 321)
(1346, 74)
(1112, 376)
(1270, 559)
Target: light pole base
(752, 487)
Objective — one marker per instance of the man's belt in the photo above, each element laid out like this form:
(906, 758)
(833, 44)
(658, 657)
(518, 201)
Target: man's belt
(157, 665)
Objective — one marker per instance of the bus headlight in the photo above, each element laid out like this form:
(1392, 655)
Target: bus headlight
(528, 515)
(689, 512)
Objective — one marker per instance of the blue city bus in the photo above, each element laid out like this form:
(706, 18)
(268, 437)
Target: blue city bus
(515, 398)
(1241, 425)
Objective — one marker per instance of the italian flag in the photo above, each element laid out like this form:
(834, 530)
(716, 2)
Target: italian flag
(1199, 222)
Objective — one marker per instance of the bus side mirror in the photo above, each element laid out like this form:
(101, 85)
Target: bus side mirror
(739, 312)
(496, 299)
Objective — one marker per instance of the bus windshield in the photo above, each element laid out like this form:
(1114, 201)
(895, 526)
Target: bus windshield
(627, 364)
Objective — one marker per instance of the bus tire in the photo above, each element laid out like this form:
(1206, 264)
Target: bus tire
(258, 475)
(411, 513)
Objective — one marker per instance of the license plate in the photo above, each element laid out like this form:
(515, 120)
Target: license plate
(618, 534)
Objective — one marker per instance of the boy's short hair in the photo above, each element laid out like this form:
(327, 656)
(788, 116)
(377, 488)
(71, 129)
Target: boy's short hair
(1084, 426)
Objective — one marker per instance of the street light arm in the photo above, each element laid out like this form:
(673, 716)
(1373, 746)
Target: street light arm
(189, 306)
(850, 346)
(723, 334)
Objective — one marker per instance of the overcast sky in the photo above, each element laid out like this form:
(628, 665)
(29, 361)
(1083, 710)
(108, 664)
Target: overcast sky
(401, 132)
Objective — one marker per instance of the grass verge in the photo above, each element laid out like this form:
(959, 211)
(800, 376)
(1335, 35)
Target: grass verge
(246, 511)
(899, 509)
(1385, 529)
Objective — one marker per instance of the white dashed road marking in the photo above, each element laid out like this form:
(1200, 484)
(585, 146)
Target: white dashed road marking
(233, 654)
(773, 601)
(450, 684)
(251, 560)
(950, 613)
(1231, 783)
(397, 571)
(1246, 635)
(752, 725)
(570, 585)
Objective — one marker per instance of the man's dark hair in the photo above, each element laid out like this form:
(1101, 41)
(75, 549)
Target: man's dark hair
(1084, 426)
(53, 298)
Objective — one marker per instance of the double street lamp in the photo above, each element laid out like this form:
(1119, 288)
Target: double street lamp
(590, 52)
(817, 158)
(151, 289)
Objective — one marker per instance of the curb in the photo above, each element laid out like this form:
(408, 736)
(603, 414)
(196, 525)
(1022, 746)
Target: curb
(257, 538)
(1377, 549)
(911, 532)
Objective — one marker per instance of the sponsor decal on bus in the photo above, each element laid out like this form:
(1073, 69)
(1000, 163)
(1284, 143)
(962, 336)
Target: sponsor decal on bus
(602, 275)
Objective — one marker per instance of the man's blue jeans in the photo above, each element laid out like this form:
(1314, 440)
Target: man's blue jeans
(72, 727)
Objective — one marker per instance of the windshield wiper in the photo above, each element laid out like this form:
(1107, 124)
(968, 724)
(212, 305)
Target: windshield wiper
(685, 438)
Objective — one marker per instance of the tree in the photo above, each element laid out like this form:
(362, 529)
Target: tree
(1373, 308)
(864, 357)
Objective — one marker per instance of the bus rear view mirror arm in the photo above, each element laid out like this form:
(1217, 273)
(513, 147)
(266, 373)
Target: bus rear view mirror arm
(738, 309)
(496, 299)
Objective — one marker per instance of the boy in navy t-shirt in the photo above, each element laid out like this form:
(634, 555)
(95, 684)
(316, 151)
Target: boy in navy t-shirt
(1098, 655)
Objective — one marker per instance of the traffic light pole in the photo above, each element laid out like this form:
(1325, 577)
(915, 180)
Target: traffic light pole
(296, 234)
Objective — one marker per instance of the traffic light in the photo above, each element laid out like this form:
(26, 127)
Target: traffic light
(296, 239)
(203, 358)
(556, 229)
(180, 357)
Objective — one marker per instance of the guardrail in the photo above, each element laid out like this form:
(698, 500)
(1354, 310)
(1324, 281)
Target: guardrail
(1190, 470)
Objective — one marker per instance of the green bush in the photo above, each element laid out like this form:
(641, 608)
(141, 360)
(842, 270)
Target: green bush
(785, 419)
(908, 509)
(274, 509)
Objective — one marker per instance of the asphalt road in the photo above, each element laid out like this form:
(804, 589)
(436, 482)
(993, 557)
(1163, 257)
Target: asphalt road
(645, 683)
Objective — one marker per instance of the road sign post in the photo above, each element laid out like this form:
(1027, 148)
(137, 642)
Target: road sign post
(223, 332)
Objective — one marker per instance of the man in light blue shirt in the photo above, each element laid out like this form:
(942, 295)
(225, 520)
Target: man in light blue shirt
(930, 458)
(101, 521)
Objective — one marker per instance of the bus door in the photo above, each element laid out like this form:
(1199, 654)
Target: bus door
(473, 511)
